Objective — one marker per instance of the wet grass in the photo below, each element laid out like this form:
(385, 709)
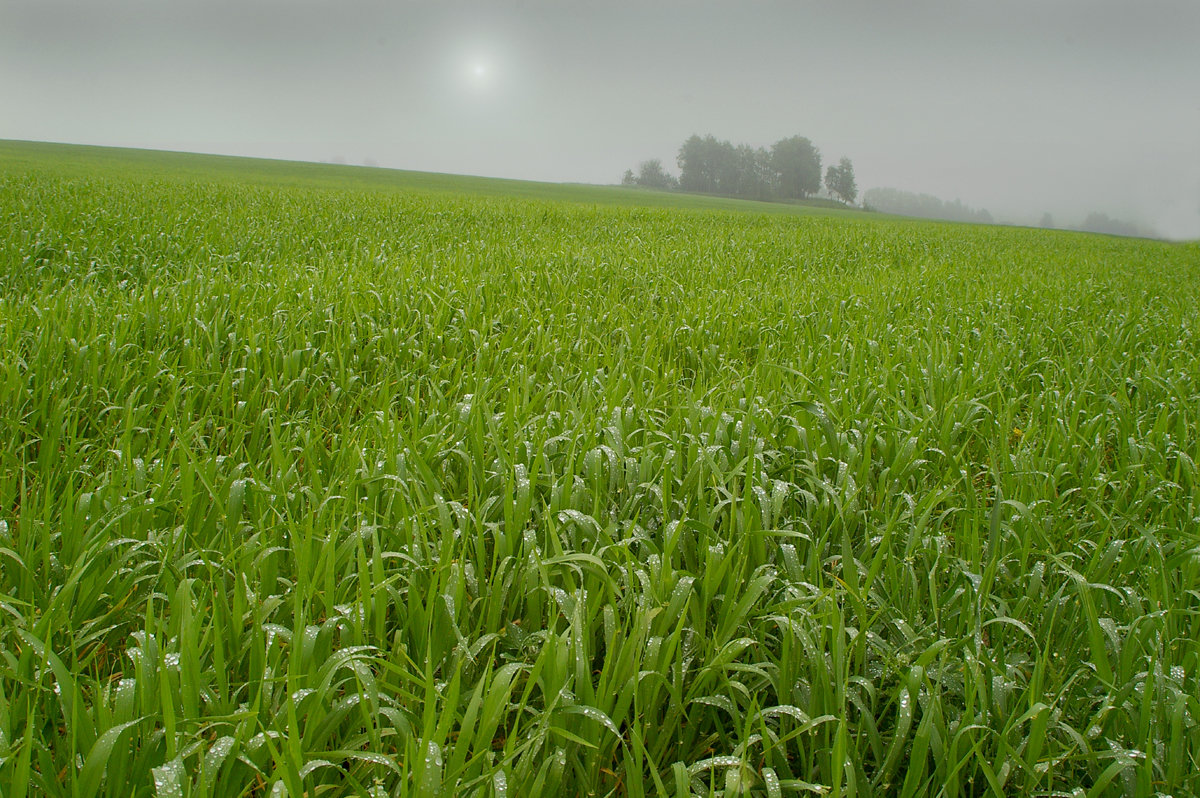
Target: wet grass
(376, 490)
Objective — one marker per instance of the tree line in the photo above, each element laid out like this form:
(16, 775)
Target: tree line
(925, 206)
(906, 203)
(1103, 223)
(789, 170)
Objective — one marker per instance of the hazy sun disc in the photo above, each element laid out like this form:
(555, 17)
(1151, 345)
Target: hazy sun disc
(479, 73)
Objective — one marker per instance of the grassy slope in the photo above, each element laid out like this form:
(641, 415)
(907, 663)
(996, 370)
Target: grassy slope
(507, 493)
(70, 159)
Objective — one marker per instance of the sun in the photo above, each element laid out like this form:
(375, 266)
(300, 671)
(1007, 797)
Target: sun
(480, 73)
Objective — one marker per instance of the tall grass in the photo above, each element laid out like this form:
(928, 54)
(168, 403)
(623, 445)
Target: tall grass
(307, 491)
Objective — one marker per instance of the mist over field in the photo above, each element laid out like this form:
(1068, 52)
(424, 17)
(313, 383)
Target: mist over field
(1022, 109)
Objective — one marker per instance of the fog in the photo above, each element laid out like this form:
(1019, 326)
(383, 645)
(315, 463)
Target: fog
(1020, 107)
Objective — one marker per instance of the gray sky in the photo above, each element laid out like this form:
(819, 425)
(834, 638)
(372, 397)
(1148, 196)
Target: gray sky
(1020, 107)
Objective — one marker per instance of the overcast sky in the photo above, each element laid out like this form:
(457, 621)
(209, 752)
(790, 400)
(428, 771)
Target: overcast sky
(1020, 107)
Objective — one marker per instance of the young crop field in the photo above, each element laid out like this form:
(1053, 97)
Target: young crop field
(322, 481)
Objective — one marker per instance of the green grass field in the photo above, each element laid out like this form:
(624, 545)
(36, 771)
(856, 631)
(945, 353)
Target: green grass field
(321, 481)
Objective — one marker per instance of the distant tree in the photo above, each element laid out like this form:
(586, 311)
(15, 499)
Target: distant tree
(723, 156)
(652, 175)
(767, 176)
(628, 179)
(905, 203)
(1047, 220)
(755, 176)
(831, 178)
(790, 169)
(798, 164)
(1103, 223)
(840, 180)
(708, 166)
(695, 173)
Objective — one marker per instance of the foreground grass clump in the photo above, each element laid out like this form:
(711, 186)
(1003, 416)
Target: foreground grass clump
(320, 491)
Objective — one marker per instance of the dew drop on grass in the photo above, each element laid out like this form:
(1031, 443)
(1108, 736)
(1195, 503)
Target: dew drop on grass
(168, 779)
(771, 781)
(598, 716)
(433, 755)
(714, 762)
(216, 755)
